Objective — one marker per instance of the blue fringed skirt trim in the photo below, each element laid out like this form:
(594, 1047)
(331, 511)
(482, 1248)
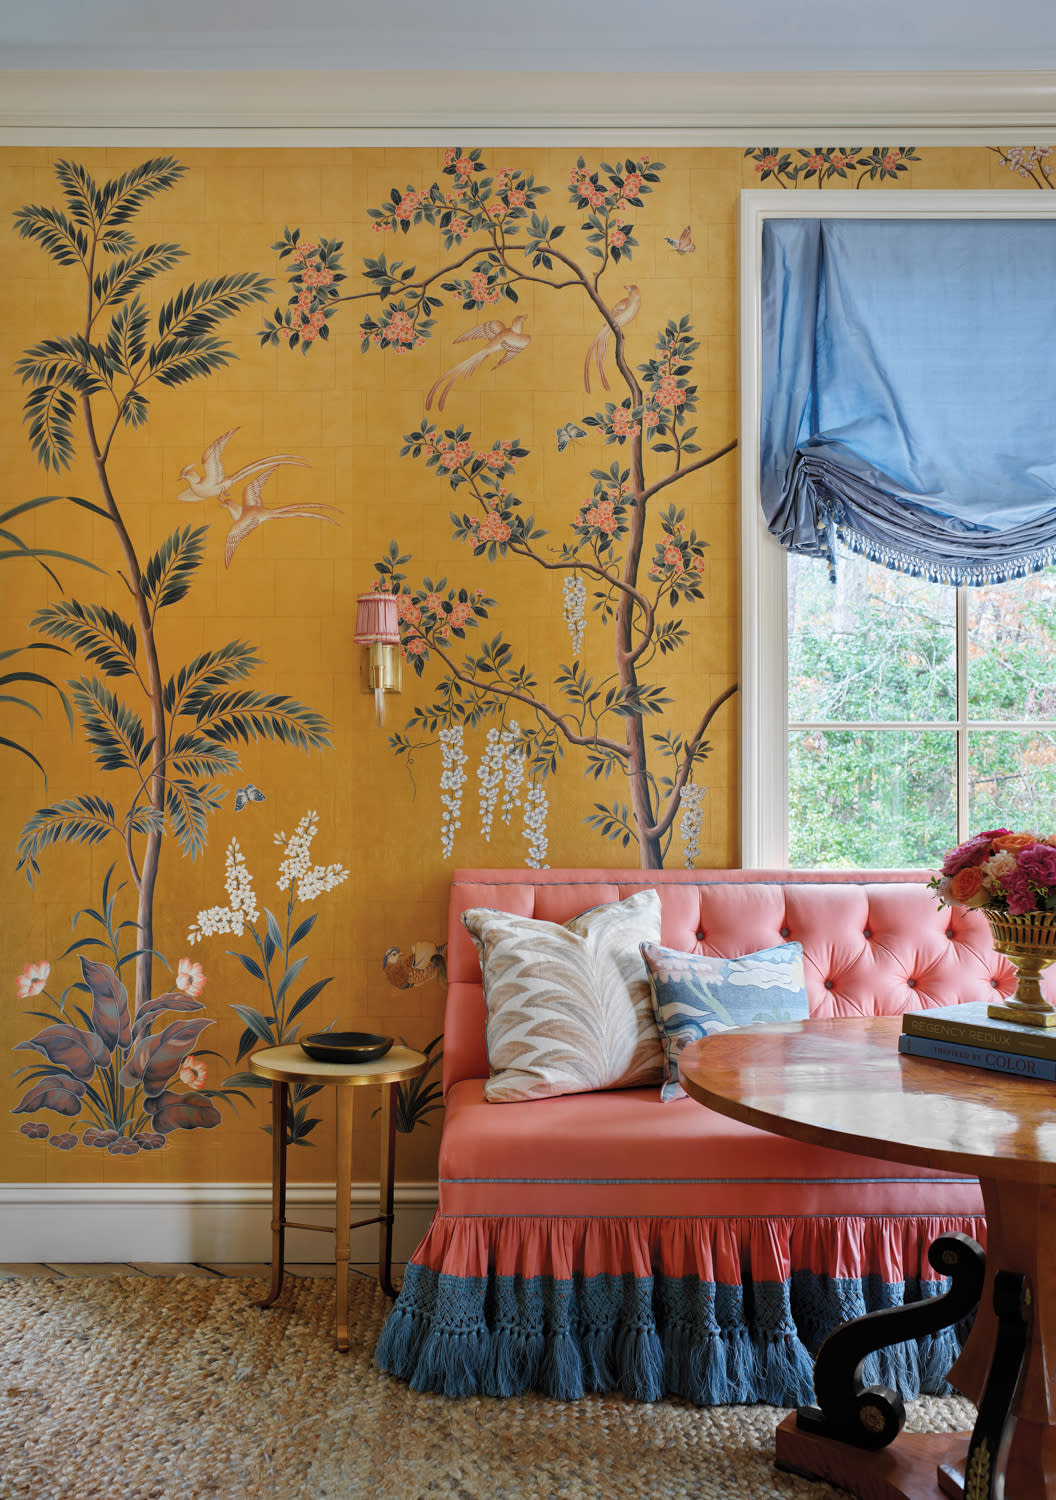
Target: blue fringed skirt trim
(647, 1336)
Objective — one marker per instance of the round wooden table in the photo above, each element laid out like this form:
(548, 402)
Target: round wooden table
(842, 1083)
(288, 1065)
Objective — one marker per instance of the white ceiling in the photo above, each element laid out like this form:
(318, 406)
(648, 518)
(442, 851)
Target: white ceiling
(555, 36)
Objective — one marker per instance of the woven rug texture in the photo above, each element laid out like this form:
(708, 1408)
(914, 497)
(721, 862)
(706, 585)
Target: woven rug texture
(181, 1389)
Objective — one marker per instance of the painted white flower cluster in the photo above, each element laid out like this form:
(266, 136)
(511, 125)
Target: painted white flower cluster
(500, 777)
(242, 901)
(452, 780)
(691, 819)
(536, 808)
(501, 768)
(311, 880)
(575, 602)
(489, 777)
(296, 867)
(1024, 160)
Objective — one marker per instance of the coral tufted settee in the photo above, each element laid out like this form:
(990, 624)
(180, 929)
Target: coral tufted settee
(608, 1241)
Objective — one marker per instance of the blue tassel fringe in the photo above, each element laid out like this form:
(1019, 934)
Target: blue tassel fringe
(647, 1337)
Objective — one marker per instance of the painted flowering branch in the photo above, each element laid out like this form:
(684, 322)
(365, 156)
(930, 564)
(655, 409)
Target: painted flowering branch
(815, 166)
(639, 568)
(1034, 162)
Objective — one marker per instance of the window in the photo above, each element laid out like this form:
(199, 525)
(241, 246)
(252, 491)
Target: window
(885, 717)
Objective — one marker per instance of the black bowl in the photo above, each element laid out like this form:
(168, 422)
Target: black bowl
(346, 1046)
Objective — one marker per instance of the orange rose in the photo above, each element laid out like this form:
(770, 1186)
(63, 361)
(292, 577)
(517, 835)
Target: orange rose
(1014, 842)
(966, 887)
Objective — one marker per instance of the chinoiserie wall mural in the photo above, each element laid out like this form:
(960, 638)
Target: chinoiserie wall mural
(498, 384)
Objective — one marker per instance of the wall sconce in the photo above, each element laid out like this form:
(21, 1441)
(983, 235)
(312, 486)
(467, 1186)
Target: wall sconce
(377, 628)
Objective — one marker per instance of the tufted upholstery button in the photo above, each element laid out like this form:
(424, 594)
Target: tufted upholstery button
(700, 935)
(867, 932)
(993, 984)
(829, 984)
(949, 932)
(786, 932)
(912, 983)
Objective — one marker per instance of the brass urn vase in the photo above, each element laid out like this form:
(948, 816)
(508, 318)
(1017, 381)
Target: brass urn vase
(1029, 943)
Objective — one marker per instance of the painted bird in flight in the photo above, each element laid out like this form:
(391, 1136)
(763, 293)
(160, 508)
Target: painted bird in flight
(501, 340)
(622, 313)
(251, 512)
(213, 483)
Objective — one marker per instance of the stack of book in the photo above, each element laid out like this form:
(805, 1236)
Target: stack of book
(966, 1034)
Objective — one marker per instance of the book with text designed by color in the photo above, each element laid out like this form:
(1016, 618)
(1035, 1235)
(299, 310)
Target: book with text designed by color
(1015, 1064)
(971, 1025)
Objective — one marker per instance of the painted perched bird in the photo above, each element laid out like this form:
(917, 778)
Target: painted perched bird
(251, 513)
(622, 314)
(213, 482)
(421, 962)
(507, 342)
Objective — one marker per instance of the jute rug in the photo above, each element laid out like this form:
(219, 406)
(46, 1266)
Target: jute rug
(175, 1389)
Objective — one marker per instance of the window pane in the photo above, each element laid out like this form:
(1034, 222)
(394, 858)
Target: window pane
(873, 799)
(1012, 779)
(1012, 649)
(874, 645)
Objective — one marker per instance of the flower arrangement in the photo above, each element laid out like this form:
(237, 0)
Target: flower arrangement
(1000, 871)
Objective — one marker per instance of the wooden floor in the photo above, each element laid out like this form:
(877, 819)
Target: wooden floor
(260, 1269)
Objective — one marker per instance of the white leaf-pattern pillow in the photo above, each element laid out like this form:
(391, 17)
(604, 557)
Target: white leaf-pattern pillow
(569, 1008)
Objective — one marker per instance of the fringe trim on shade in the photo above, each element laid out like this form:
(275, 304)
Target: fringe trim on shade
(548, 1320)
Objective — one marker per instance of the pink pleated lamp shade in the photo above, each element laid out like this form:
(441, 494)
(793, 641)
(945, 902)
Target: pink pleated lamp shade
(377, 620)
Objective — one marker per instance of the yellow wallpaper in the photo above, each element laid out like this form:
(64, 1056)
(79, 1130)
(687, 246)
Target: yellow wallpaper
(227, 385)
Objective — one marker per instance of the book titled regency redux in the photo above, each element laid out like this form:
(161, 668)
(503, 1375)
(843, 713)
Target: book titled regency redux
(996, 1059)
(971, 1025)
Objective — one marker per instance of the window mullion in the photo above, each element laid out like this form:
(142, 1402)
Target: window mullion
(961, 636)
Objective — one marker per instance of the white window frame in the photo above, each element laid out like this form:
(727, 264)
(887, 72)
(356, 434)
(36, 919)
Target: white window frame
(764, 598)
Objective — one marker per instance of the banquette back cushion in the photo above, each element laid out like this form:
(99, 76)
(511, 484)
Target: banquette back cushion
(874, 942)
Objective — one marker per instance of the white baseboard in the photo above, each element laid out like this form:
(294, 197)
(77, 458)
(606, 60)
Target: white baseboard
(185, 1222)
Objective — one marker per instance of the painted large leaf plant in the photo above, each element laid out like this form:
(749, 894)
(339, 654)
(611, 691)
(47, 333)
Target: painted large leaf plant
(112, 1073)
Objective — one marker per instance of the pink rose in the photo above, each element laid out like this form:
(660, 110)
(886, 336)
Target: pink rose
(972, 852)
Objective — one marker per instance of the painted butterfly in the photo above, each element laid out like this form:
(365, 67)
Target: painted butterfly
(568, 434)
(249, 793)
(684, 244)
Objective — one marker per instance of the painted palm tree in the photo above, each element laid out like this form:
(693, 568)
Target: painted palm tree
(177, 746)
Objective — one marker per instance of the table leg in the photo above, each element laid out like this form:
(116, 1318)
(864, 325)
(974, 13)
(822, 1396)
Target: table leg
(343, 1210)
(278, 1191)
(387, 1186)
(1021, 1229)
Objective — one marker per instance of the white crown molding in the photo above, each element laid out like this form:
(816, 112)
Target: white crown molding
(185, 1222)
(372, 109)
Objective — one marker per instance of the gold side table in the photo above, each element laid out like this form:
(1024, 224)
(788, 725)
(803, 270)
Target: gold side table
(288, 1065)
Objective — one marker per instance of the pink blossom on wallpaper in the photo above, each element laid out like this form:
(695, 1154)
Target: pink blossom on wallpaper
(32, 979)
(190, 978)
(193, 1072)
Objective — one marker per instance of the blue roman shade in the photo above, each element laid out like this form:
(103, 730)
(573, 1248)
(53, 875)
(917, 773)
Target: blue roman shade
(909, 392)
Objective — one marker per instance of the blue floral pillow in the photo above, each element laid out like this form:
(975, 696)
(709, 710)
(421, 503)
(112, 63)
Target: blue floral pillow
(698, 994)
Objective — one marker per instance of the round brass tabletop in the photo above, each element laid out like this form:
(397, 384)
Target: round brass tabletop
(290, 1064)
